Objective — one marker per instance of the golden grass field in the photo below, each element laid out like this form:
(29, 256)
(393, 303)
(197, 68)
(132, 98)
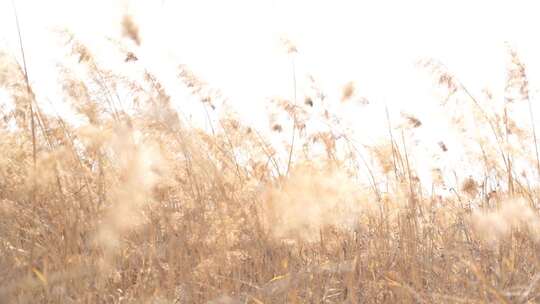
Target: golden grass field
(137, 205)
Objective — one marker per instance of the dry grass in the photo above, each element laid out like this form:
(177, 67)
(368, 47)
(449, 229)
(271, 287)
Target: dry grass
(135, 205)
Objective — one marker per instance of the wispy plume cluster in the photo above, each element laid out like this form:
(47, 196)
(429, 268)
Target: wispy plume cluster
(140, 167)
(130, 29)
(495, 226)
(312, 199)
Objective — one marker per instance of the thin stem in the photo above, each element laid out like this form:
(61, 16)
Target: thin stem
(534, 135)
(294, 120)
(28, 89)
(394, 156)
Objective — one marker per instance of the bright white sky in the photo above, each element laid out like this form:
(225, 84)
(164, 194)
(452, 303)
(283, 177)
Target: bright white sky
(235, 44)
